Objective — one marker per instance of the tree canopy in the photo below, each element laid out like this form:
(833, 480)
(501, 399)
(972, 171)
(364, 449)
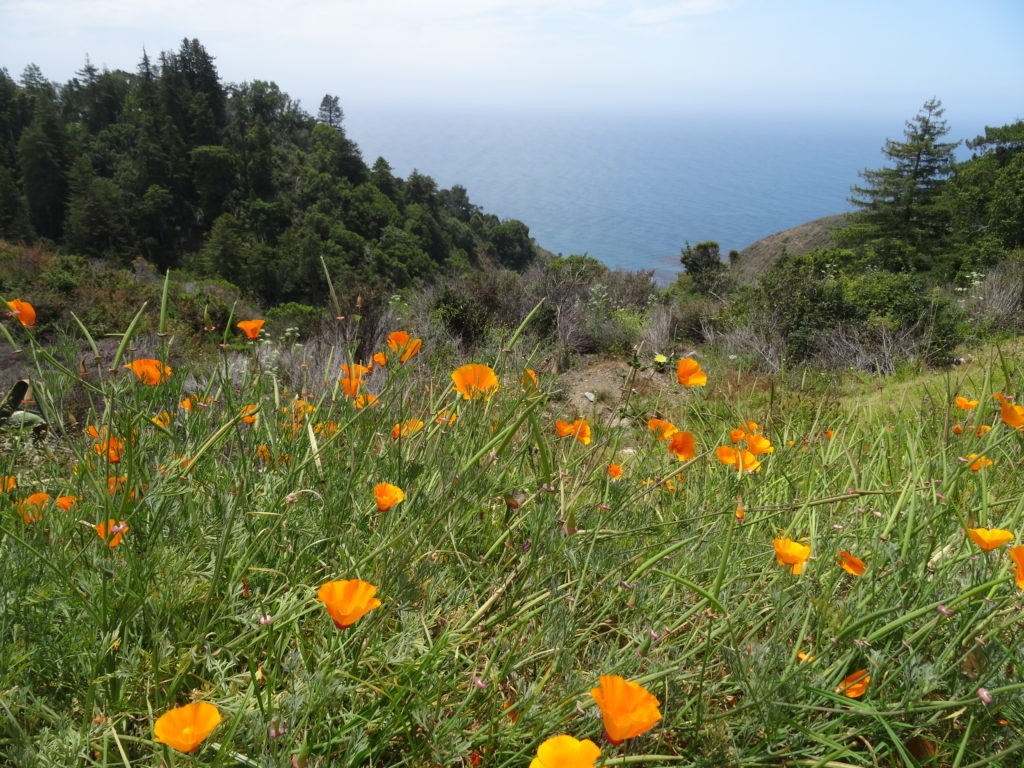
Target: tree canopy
(234, 181)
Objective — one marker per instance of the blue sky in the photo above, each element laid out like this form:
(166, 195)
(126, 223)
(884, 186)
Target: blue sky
(747, 58)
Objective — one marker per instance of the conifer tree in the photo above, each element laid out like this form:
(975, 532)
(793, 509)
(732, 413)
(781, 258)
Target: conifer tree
(901, 218)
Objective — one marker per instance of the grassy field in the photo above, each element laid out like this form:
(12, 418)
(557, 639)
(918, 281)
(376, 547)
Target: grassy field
(515, 572)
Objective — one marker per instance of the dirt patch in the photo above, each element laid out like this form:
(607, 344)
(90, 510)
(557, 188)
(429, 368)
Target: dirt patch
(602, 386)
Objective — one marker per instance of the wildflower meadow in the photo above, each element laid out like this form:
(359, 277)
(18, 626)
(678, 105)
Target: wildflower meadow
(394, 558)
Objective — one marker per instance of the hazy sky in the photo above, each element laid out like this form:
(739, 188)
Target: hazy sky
(744, 57)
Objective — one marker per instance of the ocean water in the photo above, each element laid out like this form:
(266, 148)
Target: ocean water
(631, 190)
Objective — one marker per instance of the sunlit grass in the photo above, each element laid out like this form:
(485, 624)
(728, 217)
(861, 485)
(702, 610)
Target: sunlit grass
(513, 574)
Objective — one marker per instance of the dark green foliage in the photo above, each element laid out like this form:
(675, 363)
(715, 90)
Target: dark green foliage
(236, 182)
(510, 244)
(42, 158)
(901, 218)
(828, 297)
(704, 265)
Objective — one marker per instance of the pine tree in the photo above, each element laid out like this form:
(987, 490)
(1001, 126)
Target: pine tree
(901, 218)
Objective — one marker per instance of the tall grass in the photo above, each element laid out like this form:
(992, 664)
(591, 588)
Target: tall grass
(513, 575)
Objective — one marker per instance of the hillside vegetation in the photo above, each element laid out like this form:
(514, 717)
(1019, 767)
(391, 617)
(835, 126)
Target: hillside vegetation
(296, 555)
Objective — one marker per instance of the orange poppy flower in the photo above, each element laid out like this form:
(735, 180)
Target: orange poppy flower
(379, 358)
(852, 565)
(689, 373)
(579, 429)
(740, 458)
(683, 445)
(365, 401)
(474, 380)
(964, 404)
(614, 471)
(805, 657)
(115, 530)
(446, 417)
(24, 311)
(112, 448)
(662, 429)
(149, 371)
(114, 484)
(162, 419)
(1017, 555)
(348, 601)
(1012, 415)
(529, 380)
(184, 728)
(387, 495)
(249, 413)
(7, 483)
(957, 429)
(31, 507)
(829, 434)
(410, 427)
(566, 752)
(759, 444)
(325, 428)
(855, 685)
(251, 328)
(978, 462)
(982, 430)
(627, 708)
(791, 553)
(66, 502)
(989, 538)
(350, 386)
(400, 342)
(191, 402)
(355, 371)
(748, 428)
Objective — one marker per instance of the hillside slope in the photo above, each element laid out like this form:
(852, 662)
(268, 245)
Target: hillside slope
(756, 257)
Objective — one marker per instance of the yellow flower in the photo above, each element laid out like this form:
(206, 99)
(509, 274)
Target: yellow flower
(348, 601)
(184, 728)
(474, 381)
(566, 752)
(387, 495)
(627, 708)
(805, 657)
(689, 373)
(989, 538)
(791, 553)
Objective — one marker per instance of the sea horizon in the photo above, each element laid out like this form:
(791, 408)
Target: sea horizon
(632, 189)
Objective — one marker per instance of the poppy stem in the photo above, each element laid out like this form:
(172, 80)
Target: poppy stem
(716, 590)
